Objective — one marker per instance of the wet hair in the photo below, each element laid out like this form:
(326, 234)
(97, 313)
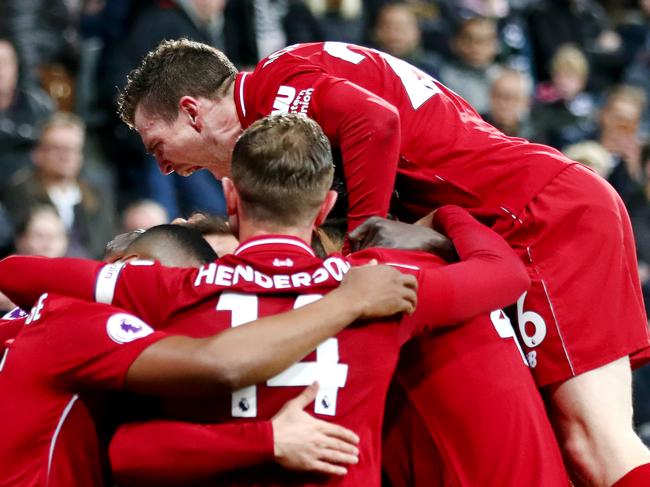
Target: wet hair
(174, 69)
(282, 168)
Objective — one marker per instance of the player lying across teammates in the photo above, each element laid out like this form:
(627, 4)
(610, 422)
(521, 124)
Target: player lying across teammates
(401, 133)
(461, 388)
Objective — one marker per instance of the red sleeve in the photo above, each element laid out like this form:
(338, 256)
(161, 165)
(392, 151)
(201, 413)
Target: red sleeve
(9, 329)
(90, 345)
(175, 453)
(367, 129)
(489, 276)
(23, 279)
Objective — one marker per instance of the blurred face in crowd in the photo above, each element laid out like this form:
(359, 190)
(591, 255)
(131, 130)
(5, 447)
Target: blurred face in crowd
(568, 82)
(509, 100)
(208, 9)
(45, 235)
(397, 30)
(144, 216)
(619, 123)
(8, 71)
(59, 154)
(202, 135)
(477, 43)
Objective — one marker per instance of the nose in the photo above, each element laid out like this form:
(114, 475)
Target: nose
(165, 167)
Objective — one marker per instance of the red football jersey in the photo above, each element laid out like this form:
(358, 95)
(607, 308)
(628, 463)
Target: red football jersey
(402, 121)
(272, 274)
(66, 346)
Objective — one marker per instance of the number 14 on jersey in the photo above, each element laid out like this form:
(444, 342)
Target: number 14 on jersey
(330, 374)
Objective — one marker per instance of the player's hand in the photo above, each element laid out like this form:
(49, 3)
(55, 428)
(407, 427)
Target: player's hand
(302, 442)
(379, 290)
(381, 232)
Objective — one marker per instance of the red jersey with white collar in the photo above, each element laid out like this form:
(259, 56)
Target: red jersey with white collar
(275, 273)
(388, 118)
(65, 347)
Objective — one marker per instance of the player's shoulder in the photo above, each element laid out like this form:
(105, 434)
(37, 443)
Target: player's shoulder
(57, 307)
(414, 260)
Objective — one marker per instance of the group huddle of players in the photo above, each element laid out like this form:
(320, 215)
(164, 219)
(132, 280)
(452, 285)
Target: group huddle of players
(411, 367)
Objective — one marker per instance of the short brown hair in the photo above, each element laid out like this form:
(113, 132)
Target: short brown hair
(282, 168)
(173, 70)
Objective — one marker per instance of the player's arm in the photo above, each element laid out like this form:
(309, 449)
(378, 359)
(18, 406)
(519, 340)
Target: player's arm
(163, 452)
(24, 278)
(256, 351)
(367, 129)
(489, 276)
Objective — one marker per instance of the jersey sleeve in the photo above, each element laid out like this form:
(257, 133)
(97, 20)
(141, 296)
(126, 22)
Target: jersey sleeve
(92, 346)
(24, 278)
(143, 287)
(367, 130)
(489, 276)
(164, 452)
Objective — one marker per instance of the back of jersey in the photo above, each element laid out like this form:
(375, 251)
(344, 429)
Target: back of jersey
(449, 154)
(353, 369)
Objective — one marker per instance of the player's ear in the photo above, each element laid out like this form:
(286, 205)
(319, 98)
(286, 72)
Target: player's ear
(231, 195)
(128, 257)
(189, 107)
(326, 207)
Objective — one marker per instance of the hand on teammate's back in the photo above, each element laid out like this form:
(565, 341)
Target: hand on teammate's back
(302, 442)
(379, 290)
(381, 232)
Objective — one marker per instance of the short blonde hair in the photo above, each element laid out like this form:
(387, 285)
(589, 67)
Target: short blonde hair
(569, 57)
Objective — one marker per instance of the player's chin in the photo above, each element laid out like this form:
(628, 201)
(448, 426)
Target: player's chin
(186, 171)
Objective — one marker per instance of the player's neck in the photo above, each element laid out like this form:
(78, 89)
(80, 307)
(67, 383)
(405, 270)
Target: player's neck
(248, 230)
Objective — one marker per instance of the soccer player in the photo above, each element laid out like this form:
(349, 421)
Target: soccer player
(285, 163)
(582, 322)
(69, 348)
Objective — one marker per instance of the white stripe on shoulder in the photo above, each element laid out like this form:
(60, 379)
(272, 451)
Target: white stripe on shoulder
(107, 282)
(4, 359)
(405, 266)
(241, 93)
(64, 415)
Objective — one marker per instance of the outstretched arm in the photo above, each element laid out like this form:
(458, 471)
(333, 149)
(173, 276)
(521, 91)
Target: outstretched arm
(367, 129)
(256, 351)
(24, 278)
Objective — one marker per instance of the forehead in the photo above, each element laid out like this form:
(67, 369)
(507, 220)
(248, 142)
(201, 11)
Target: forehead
(148, 125)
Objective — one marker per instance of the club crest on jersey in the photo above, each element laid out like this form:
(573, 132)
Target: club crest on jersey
(124, 328)
(282, 262)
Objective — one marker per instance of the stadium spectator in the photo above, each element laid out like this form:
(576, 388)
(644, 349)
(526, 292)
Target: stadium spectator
(41, 232)
(563, 110)
(339, 20)
(510, 100)
(397, 32)
(256, 28)
(471, 73)
(583, 23)
(137, 174)
(434, 149)
(143, 214)
(87, 214)
(23, 108)
(592, 154)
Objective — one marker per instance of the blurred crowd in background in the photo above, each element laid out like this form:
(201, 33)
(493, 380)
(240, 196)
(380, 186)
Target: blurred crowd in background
(574, 74)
